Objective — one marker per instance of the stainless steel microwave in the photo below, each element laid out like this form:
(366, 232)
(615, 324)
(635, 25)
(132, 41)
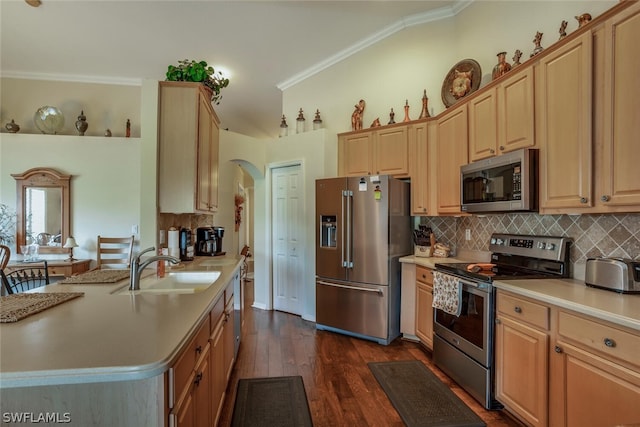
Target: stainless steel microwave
(501, 184)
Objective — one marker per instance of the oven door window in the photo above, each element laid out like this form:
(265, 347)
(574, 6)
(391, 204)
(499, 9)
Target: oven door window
(470, 324)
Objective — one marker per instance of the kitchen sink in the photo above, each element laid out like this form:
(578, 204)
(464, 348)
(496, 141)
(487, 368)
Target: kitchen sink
(180, 282)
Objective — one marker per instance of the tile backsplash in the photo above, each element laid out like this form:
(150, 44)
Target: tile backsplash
(598, 235)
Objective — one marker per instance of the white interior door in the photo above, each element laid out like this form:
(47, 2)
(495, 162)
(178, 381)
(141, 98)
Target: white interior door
(287, 225)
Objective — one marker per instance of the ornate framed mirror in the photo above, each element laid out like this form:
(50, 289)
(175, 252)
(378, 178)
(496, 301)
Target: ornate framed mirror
(42, 209)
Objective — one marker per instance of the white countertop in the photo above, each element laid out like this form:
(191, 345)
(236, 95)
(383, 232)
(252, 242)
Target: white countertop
(572, 294)
(103, 337)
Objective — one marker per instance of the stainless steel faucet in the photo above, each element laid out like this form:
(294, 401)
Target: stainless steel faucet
(137, 267)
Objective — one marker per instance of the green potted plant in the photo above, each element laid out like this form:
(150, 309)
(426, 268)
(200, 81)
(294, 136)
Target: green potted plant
(198, 71)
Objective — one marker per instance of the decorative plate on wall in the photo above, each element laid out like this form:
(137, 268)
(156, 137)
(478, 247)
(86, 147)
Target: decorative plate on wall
(463, 79)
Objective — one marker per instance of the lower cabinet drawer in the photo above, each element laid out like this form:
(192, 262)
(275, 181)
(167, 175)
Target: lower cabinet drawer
(424, 275)
(523, 310)
(60, 271)
(602, 338)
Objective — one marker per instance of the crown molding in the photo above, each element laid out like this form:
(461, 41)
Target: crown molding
(120, 81)
(406, 22)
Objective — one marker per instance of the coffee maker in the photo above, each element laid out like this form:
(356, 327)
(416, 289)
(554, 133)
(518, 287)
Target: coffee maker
(206, 242)
(209, 241)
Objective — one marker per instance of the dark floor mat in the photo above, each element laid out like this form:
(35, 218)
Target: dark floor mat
(271, 402)
(420, 398)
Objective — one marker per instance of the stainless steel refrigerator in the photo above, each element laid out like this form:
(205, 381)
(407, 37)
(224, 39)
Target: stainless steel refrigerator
(364, 227)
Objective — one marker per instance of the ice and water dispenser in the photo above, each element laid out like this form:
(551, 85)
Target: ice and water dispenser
(328, 231)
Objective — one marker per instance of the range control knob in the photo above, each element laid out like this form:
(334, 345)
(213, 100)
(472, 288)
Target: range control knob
(499, 241)
(551, 246)
(493, 240)
(541, 245)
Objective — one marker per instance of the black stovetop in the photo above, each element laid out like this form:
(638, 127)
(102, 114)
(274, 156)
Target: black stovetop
(498, 272)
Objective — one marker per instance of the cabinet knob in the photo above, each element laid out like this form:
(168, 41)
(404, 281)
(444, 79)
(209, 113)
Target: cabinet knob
(517, 309)
(609, 342)
(605, 198)
(557, 349)
(583, 200)
(498, 321)
(492, 151)
(198, 378)
(199, 349)
(502, 148)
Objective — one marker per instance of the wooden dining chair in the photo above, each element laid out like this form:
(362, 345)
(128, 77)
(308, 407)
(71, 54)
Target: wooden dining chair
(25, 278)
(115, 252)
(5, 254)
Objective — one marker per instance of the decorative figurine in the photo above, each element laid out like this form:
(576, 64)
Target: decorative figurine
(406, 111)
(392, 116)
(376, 123)
(536, 41)
(425, 110)
(12, 127)
(317, 121)
(502, 67)
(461, 84)
(300, 122)
(284, 127)
(128, 130)
(563, 30)
(356, 117)
(583, 19)
(81, 124)
(107, 133)
(516, 57)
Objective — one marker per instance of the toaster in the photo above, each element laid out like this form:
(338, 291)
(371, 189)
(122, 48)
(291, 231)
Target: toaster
(613, 274)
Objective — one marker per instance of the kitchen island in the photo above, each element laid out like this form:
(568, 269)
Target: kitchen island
(104, 358)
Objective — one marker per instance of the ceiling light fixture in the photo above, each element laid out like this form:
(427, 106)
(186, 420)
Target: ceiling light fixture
(34, 3)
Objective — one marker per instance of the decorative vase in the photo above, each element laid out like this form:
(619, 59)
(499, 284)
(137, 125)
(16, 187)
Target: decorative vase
(81, 124)
(425, 109)
(49, 120)
(12, 127)
(406, 111)
(502, 67)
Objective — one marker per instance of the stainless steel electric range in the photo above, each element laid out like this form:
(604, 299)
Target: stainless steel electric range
(463, 344)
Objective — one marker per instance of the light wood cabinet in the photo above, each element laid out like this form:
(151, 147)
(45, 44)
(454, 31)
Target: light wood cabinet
(420, 169)
(521, 351)
(599, 372)
(424, 305)
(502, 118)
(188, 149)
(563, 124)
(557, 367)
(222, 354)
(56, 267)
(380, 151)
(451, 152)
(189, 382)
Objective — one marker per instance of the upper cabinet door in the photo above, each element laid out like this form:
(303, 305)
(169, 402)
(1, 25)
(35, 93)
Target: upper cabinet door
(391, 155)
(563, 125)
(516, 112)
(452, 152)
(356, 154)
(621, 118)
(483, 126)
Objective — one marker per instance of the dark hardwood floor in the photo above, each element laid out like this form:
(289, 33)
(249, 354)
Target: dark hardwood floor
(340, 388)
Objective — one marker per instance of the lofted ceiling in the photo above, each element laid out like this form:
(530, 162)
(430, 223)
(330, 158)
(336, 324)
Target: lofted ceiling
(263, 46)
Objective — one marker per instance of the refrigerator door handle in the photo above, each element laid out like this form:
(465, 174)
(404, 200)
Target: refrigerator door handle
(349, 196)
(355, 288)
(343, 260)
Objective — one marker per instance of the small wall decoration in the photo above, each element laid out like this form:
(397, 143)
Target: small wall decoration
(239, 200)
(128, 129)
(356, 117)
(563, 30)
(406, 111)
(81, 123)
(583, 19)
(425, 109)
(536, 41)
(516, 57)
(392, 116)
(463, 79)
(376, 123)
(502, 67)
(12, 127)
